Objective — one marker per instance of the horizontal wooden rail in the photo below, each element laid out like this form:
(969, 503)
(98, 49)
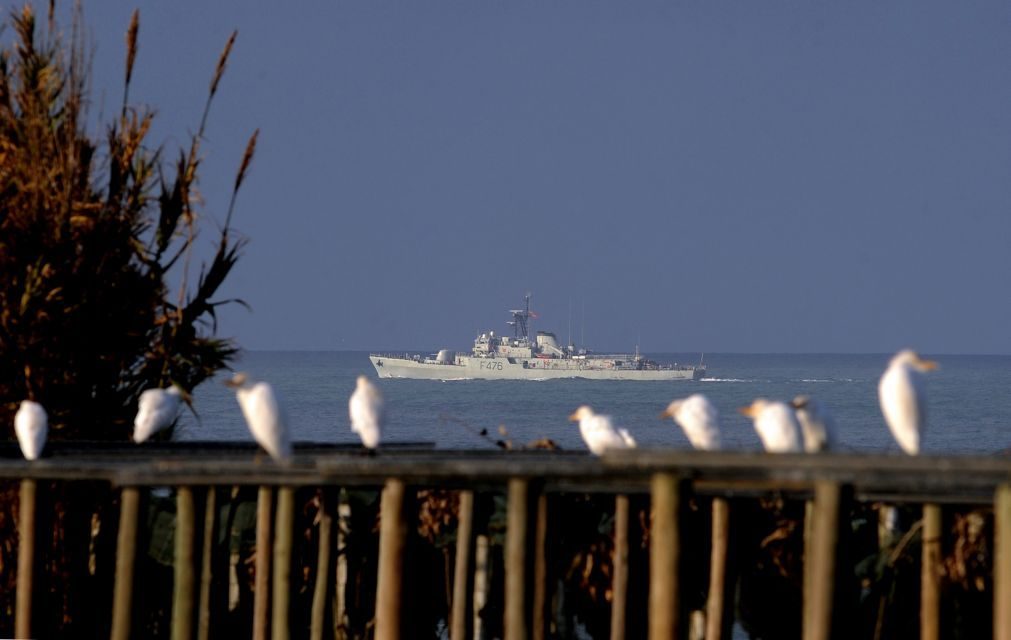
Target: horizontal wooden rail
(940, 479)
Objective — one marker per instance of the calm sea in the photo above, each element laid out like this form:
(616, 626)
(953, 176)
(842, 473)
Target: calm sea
(969, 401)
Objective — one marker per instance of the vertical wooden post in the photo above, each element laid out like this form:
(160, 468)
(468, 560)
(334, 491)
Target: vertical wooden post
(261, 597)
(482, 586)
(207, 565)
(808, 570)
(26, 560)
(184, 580)
(619, 579)
(821, 553)
(540, 600)
(126, 551)
(516, 560)
(392, 541)
(930, 574)
(1002, 564)
(717, 609)
(282, 561)
(462, 567)
(665, 618)
(322, 587)
(340, 615)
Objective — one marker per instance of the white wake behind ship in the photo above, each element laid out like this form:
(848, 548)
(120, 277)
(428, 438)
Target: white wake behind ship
(517, 357)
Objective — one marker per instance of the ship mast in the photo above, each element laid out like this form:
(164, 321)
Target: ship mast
(520, 319)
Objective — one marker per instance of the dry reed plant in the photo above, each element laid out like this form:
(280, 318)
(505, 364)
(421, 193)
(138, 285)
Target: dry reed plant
(92, 230)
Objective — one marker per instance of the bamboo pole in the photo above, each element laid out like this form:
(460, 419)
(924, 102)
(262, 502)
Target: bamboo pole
(930, 574)
(184, 580)
(26, 559)
(207, 565)
(462, 567)
(539, 617)
(665, 619)
(821, 552)
(261, 598)
(516, 559)
(619, 561)
(126, 551)
(392, 541)
(1002, 564)
(282, 561)
(322, 587)
(717, 609)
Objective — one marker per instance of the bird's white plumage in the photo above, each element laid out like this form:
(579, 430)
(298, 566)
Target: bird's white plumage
(264, 416)
(698, 418)
(627, 438)
(599, 433)
(816, 424)
(365, 408)
(903, 400)
(157, 409)
(31, 425)
(776, 425)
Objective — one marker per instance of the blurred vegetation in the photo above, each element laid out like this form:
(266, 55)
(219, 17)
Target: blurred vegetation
(93, 229)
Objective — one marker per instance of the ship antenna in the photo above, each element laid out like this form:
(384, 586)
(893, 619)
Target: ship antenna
(569, 345)
(582, 325)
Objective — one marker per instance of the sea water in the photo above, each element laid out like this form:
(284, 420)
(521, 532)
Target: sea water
(968, 399)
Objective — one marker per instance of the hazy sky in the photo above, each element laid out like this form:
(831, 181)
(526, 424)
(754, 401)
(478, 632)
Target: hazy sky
(700, 176)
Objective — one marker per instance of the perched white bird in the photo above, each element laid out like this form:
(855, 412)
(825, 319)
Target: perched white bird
(157, 409)
(366, 411)
(903, 401)
(816, 424)
(31, 424)
(698, 418)
(776, 425)
(599, 433)
(264, 415)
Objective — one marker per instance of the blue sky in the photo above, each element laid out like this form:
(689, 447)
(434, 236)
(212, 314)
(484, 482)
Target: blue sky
(730, 176)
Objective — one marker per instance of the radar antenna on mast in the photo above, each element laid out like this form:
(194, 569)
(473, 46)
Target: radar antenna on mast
(520, 320)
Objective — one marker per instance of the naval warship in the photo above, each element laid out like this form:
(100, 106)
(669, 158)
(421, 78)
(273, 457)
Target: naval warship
(517, 357)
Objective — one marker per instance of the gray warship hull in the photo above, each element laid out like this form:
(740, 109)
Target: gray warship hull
(473, 368)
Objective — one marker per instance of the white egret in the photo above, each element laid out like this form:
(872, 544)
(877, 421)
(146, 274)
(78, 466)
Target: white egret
(157, 409)
(599, 433)
(816, 424)
(903, 400)
(776, 425)
(698, 418)
(31, 424)
(264, 415)
(366, 411)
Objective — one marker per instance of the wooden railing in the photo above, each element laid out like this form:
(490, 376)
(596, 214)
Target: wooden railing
(528, 478)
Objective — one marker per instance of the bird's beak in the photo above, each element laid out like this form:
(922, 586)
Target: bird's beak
(574, 418)
(665, 414)
(747, 411)
(929, 365)
(798, 404)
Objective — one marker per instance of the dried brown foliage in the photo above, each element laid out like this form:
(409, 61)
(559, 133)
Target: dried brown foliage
(437, 510)
(92, 230)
